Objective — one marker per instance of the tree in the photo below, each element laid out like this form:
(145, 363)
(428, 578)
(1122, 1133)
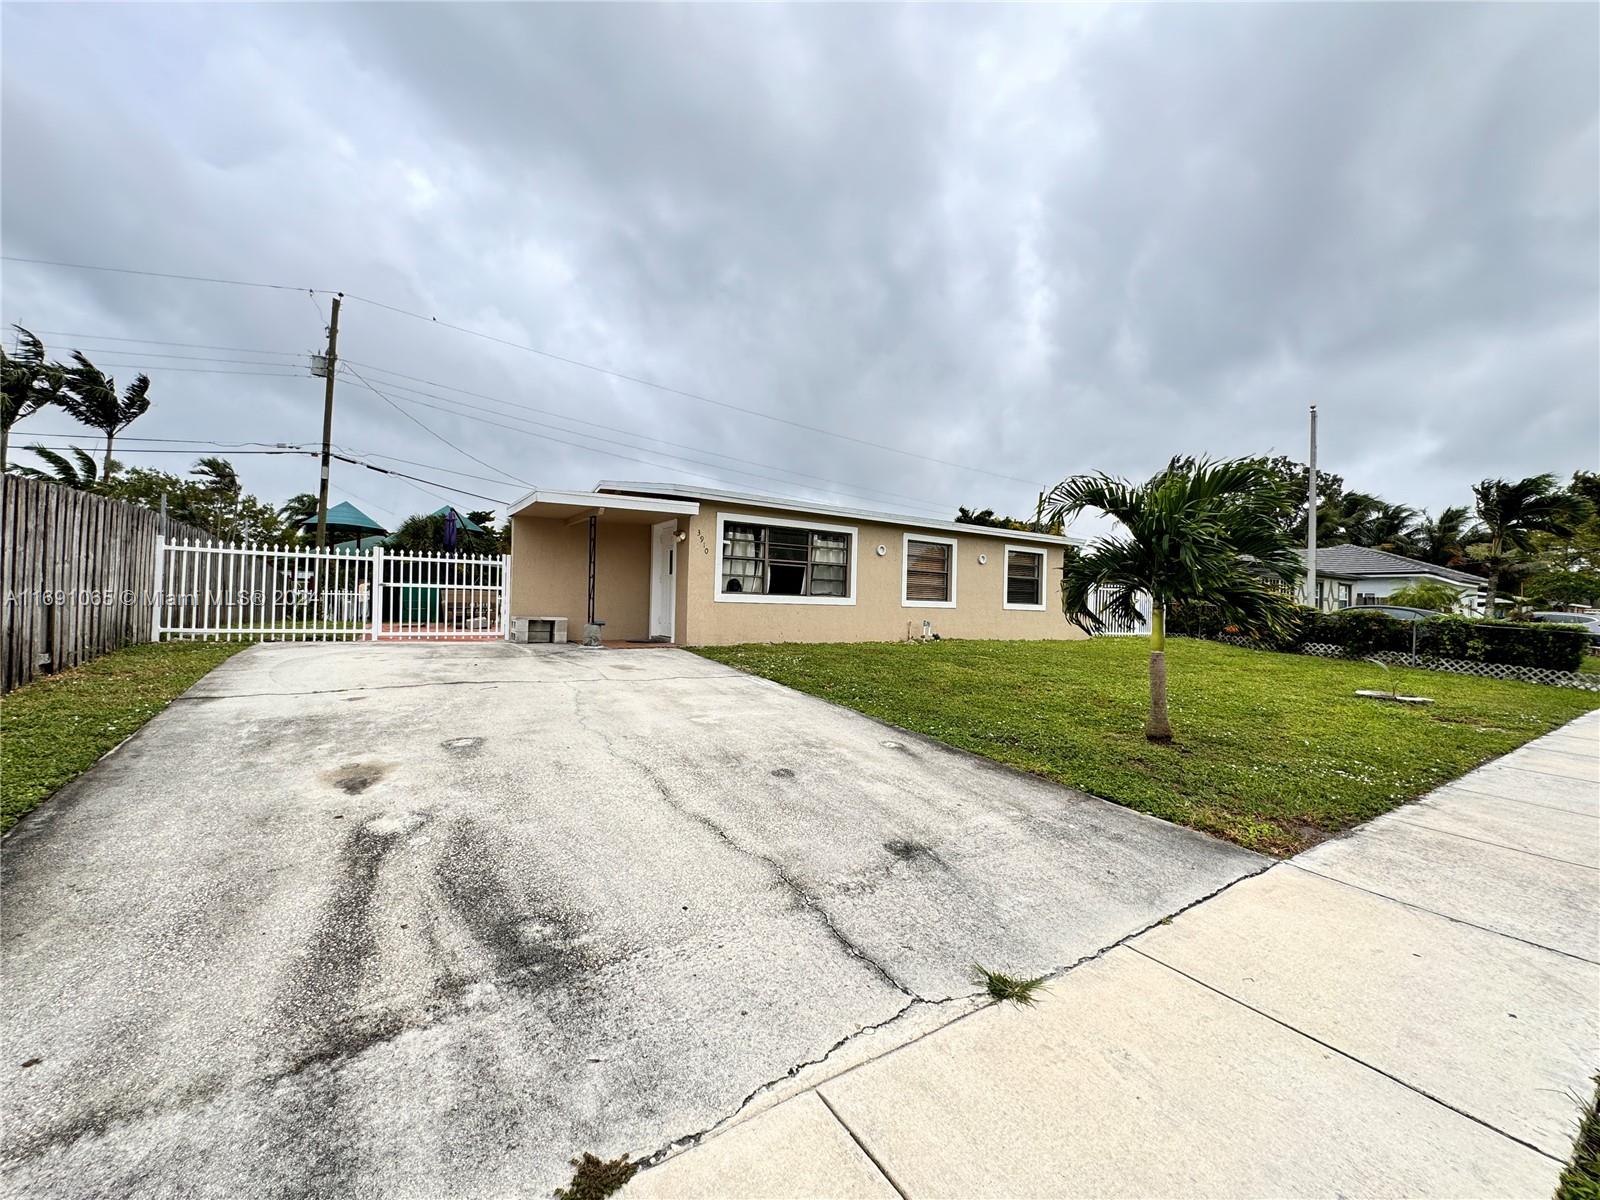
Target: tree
(424, 533)
(1512, 513)
(1199, 532)
(484, 519)
(200, 502)
(1390, 527)
(81, 475)
(1562, 589)
(986, 518)
(90, 396)
(1425, 593)
(1295, 479)
(1442, 540)
(30, 382)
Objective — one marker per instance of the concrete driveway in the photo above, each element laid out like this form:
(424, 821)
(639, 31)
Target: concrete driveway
(426, 920)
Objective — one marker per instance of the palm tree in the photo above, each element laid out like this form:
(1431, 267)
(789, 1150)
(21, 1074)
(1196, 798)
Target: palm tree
(1390, 527)
(1442, 540)
(220, 485)
(217, 475)
(80, 476)
(298, 509)
(30, 383)
(90, 396)
(1512, 512)
(1197, 532)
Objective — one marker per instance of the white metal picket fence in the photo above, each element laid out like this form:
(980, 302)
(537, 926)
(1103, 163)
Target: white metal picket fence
(1117, 627)
(296, 593)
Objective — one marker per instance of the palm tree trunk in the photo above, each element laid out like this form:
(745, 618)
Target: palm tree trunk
(5, 446)
(105, 472)
(1158, 728)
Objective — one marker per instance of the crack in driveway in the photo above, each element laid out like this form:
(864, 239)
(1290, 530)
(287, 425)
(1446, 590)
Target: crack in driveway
(779, 871)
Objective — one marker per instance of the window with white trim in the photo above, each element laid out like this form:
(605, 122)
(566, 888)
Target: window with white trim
(1024, 578)
(779, 560)
(929, 572)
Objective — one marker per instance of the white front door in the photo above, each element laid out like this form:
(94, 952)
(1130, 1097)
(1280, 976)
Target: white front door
(663, 579)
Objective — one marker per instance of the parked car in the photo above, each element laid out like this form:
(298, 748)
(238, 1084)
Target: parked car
(1399, 612)
(1589, 623)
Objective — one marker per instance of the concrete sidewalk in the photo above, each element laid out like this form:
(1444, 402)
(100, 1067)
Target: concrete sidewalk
(1412, 1010)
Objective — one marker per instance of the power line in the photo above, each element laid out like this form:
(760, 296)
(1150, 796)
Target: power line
(835, 483)
(344, 458)
(430, 432)
(688, 395)
(597, 450)
(133, 366)
(106, 337)
(201, 445)
(139, 450)
(128, 437)
(551, 355)
(429, 466)
(143, 354)
(47, 262)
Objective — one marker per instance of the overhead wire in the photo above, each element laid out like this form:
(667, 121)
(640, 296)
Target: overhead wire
(521, 407)
(431, 432)
(683, 392)
(467, 416)
(610, 372)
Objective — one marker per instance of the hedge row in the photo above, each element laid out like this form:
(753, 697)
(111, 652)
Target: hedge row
(1359, 632)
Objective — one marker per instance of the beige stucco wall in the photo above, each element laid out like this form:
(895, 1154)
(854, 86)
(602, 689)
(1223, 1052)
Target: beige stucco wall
(877, 614)
(550, 574)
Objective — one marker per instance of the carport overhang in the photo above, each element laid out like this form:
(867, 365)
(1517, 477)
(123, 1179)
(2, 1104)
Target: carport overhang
(608, 506)
(593, 509)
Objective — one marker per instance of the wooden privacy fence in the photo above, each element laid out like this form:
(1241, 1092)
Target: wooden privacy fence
(78, 573)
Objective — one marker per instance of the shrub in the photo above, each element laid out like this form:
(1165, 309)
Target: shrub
(1359, 632)
(1203, 621)
(1424, 593)
(1514, 643)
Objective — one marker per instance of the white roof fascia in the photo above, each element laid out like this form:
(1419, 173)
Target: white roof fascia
(604, 500)
(611, 487)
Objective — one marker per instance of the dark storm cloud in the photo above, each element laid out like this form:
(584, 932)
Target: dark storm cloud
(1033, 240)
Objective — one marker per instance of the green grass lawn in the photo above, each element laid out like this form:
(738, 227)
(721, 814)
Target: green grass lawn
(1273, 751)
(53, 729)
(1591, 663)
(1581, 1179)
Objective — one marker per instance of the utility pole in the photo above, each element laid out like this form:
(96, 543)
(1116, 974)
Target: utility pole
(1311, 513)
(328, 366)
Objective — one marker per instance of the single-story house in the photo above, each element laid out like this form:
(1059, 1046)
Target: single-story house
(1356, 575)
(700, 566)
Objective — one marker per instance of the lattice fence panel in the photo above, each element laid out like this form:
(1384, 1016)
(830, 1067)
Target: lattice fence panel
(1454, 666)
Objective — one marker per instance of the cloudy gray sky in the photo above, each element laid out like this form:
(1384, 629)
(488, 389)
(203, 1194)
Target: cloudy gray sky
(1031, 241)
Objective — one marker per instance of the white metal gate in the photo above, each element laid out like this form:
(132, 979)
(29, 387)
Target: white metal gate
(1117, 626)
(432, 597)
(295, 593)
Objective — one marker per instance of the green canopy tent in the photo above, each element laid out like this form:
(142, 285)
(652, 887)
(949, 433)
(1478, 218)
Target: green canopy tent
(462, 520)
(346, 521)
(361, 545)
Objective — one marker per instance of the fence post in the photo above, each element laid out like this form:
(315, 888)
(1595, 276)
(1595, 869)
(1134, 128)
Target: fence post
(160, 583)
(505, 597)
(375, 592)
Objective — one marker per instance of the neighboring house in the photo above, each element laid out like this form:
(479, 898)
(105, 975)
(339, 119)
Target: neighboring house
(699, 566)
(1355, 575)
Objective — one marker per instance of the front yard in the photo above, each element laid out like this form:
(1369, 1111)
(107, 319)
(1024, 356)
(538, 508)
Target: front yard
(1273, 751)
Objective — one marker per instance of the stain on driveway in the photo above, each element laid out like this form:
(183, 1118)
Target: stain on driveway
(522, 903)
